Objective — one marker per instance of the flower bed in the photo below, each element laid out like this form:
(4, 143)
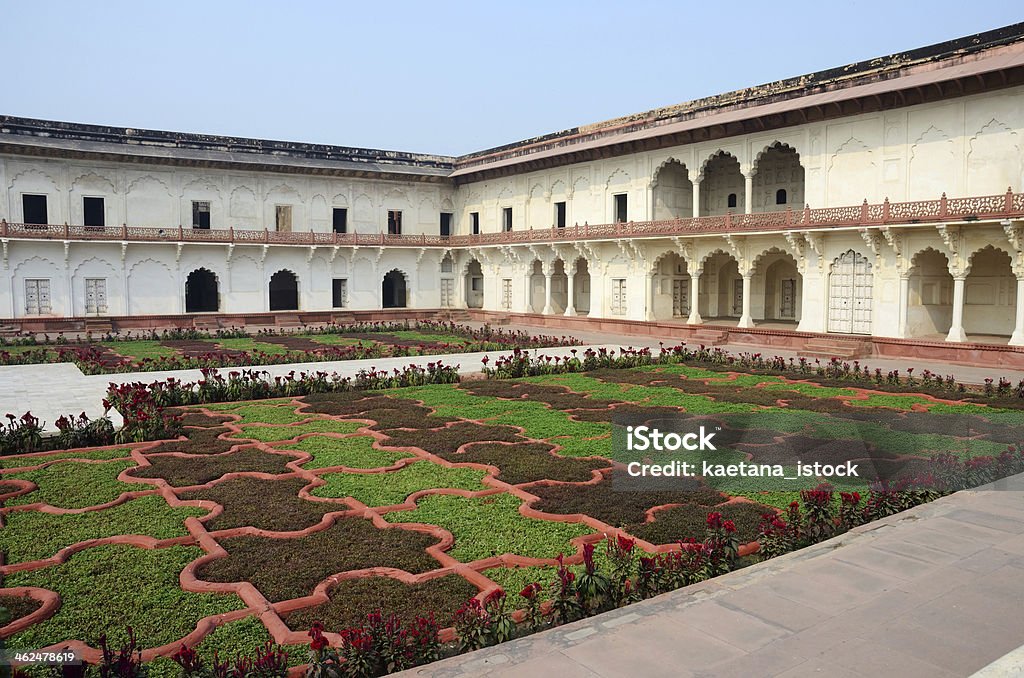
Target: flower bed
(271, 516)
(191, 349)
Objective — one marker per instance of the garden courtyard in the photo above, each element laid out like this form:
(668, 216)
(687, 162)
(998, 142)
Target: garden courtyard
(265, 517)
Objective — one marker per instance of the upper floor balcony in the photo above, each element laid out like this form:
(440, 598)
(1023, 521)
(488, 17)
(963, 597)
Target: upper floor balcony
(1005, 206)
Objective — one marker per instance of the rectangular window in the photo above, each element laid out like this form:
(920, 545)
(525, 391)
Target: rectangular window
(283, 218)
(619, 296)
(201, 214)
(560, 214)
(92, 212)
(506, 294)
(506, 219)
(37, 296)
(339, 292)
(95, 296)
(395, 222)
(474, 223)
(34, 209)
(339, 220)
(446, 224)
(621, 207)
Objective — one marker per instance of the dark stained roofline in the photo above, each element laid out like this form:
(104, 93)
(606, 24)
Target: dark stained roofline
(143, 139)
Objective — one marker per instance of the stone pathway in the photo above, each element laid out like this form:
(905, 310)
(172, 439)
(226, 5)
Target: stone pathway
(935, 591)
(50, 390)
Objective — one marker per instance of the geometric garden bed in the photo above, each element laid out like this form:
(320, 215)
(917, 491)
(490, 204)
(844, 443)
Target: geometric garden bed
(268, 516)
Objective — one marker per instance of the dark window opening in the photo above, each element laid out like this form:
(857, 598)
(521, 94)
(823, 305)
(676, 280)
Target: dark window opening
(93, 212)
(283, 218)
(780, 196)
(201, 214)
(339, 292)
(621, 207)
(34, 208)
(506, 219)
(201, 294)
(731, 200)
(560, 214)
(393, 290)
(284, 291)
(446, 224)
(395, 222)
(474, 223)
(340, 220)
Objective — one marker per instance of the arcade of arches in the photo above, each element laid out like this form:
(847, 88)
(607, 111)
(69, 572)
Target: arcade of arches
(558, 289)
(774, 183)
(775, 289)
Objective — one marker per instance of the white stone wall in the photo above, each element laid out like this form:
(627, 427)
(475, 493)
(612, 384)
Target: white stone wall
(161, 197)
(968, 146)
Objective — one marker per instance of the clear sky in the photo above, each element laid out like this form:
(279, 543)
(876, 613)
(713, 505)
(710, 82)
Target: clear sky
(429, 76)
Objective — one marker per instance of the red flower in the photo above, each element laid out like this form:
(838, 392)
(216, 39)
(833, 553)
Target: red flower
(531, 591)
(625, 544)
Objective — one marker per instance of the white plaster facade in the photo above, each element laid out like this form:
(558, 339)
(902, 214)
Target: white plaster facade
(953, 279)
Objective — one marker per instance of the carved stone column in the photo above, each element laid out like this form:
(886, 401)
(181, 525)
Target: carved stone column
(570, 302)
(548, 309)
(745, 319)
(695, 318)
(956, 330)
(902, 328)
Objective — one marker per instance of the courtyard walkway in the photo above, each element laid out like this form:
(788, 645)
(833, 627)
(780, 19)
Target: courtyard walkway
(935, 591)
(50, 390)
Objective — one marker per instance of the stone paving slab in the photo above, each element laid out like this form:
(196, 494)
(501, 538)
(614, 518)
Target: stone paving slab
(54, 389)
(884, 599)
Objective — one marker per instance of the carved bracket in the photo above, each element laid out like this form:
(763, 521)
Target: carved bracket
(816, 242)
(895, 242)
(684, 248)
(7, 261)
(952, 239)
(124, 250)
(311, 250)
(799, 245)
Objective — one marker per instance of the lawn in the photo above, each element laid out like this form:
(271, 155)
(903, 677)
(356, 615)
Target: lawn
(506, 476)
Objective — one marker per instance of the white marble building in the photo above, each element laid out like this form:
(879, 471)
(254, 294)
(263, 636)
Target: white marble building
(882, 199)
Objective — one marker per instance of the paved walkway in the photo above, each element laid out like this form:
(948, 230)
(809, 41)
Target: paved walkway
(935, 591)
(48, 391)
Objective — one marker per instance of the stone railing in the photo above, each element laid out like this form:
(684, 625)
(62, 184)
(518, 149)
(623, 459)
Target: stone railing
(1008, 205)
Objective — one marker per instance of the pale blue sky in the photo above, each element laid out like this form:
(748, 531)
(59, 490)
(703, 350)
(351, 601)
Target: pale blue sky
(430, 76)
